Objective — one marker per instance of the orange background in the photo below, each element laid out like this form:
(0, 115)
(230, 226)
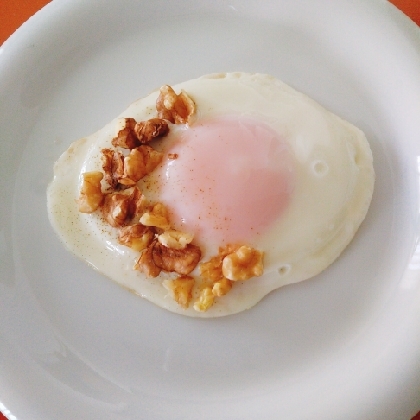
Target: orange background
(14, 12)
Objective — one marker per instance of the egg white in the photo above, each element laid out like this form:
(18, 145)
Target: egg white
(332, 192)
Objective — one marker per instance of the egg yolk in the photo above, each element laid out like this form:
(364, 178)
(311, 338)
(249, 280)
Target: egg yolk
(227, 179)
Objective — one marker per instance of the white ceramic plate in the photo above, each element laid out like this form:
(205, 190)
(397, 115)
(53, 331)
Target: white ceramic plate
(345, 345)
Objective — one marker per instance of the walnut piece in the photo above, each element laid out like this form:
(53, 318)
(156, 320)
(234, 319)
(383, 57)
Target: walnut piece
(157, 217)
(137, 237)
(134, 167)
(139, 163)
(146, 264)
(221, 287)
(242, 264)
(138, 204)
(182, 261)
(126, 171)
(122, 207)
(180, 289)
(126, 137)
(178, 109)
(91, 196)
(116, 209)
(148, 130)
(205, 299)
(211, 270)
(174, 239)
(113, 166)
(133, 134)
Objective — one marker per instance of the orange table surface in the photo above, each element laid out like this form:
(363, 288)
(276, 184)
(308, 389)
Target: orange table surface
(15, 12)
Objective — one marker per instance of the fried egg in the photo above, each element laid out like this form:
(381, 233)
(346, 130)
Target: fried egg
(261, 164)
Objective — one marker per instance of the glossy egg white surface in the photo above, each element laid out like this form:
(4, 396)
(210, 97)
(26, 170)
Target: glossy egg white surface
(323, 164)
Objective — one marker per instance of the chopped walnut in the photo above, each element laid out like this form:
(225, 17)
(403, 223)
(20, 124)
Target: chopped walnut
(116, 209)
(138, 204)
(205, 299)
(174, 239)
(122, 207)
(243, 264)
(91, 196)
(134, 167)
(157, 217)
(182, 261)
(137, 237)
(228, 249)
(148, 130)
(212, 269)
(113, 166)
(146, 264)
(126, 137)
(221, 287)
(178, 109)
(139, 163)
(180, 289)
(152, 158)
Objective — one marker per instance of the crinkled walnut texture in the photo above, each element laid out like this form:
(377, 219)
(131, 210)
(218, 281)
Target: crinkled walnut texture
(115, 209)
(158, 257)
(122, 207)
(211, 271)
(126, 137)
(174, 239)
(151, 129)
(182, 261)
(243, 264)
(113, 166)
(139, 163)
(205, 300)
(221, 287)
(123, 172)
(157, 216)
(133, 133)
(91, 196)
(137, 237)
(180, 289)
(178, 109)
(146, 264)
